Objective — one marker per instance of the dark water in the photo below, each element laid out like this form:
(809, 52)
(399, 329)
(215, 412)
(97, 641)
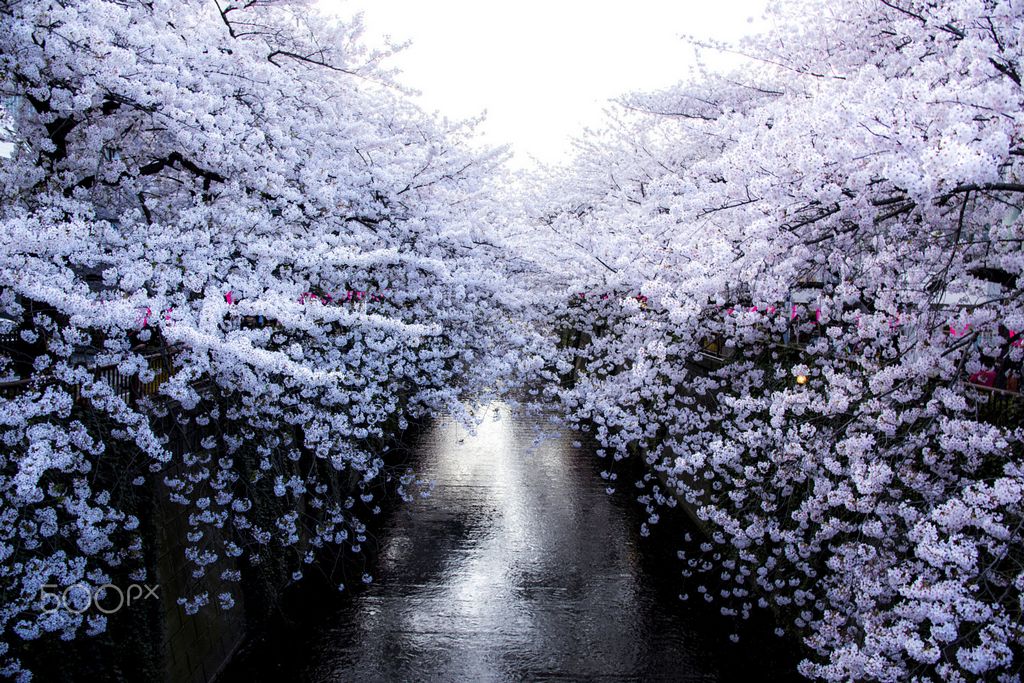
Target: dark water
(521, 567)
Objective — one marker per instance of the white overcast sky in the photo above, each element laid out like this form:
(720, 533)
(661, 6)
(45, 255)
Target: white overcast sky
(542, 69)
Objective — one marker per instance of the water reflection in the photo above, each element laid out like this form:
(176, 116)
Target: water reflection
(519, 566)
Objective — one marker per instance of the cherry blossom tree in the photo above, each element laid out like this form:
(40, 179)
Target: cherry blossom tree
(794, 290)
(231, 204)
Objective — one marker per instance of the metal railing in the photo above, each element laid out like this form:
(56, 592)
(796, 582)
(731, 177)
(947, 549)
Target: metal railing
(127, 387)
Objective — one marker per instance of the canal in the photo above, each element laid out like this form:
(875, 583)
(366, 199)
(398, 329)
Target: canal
(519, 566)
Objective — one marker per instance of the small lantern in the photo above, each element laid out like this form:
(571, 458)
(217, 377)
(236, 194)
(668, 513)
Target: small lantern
(801, 379)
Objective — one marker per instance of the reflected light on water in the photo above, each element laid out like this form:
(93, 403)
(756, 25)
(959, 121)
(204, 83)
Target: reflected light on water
(519, 566)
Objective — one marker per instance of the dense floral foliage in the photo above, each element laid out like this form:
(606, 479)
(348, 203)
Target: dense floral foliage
(826, 366)
(190, 183)
(235, 260)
